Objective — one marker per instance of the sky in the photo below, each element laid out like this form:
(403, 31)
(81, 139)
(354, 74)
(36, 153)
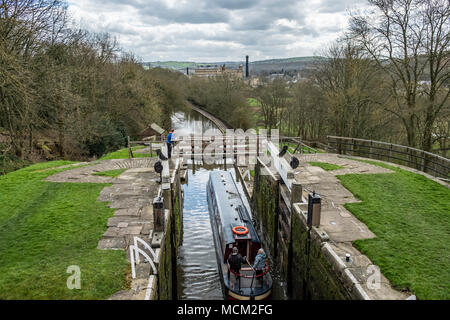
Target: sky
(217, 30)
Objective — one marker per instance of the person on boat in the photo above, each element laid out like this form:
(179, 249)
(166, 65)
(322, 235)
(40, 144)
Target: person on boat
(260, 263)
(235, 262)
(170, 143)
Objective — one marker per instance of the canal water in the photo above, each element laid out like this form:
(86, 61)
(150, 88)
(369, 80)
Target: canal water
(197, 267)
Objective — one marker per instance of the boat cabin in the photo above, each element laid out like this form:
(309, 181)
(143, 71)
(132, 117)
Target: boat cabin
(233, 227)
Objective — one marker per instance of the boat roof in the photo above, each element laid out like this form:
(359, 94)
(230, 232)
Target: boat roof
(231, 207)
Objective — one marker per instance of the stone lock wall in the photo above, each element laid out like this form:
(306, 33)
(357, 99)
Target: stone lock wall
(265, 203)
(165, 266)
(167, 278)
(311, 272)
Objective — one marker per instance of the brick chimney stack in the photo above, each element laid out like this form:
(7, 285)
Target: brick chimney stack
(247, 73)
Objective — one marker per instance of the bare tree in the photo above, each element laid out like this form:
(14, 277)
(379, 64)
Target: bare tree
(405, 37)
(350, 85)
(273, 98)
(437, 51)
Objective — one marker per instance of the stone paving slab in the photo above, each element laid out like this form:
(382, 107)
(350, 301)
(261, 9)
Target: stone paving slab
(132, 194)
(123, 222)
(129, 212)
(338, 222)
(116, 243)
(122, 295)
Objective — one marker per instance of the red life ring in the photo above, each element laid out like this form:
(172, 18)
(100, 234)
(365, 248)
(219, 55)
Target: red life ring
(241, 231)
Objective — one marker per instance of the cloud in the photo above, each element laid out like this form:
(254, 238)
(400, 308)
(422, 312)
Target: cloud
(236, 4)
(216, 30)
(336, 6)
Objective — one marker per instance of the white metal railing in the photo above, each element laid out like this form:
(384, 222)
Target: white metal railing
(135, 253)
(133, 249)
(280, 164)
(138, 240)
(149, 288)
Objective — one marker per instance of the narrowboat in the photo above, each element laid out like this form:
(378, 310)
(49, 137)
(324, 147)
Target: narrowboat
(232, 227)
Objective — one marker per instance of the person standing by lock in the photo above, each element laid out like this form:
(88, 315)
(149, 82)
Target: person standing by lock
(170, 143)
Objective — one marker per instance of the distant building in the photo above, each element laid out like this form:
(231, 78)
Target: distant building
(254, 82)
(221, 70)
(153, 132)
(275, 76)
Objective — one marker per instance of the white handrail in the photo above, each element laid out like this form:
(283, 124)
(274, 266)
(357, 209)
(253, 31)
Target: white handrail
(149, 290)
(247, 175)
(281, 165)
(146, 245)
(133, 249)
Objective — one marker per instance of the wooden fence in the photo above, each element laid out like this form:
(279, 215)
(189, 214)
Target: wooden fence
(153, 145)
(427, 162)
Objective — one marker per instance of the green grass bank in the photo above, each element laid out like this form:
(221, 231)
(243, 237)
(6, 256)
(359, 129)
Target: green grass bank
(410, 215)
(47, 227)
(123, 154)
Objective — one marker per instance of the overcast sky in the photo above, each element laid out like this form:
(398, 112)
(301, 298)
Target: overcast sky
(217, 30)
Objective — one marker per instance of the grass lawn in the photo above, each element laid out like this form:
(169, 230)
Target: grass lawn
(45, 228)
(110, 173)
(252, 102)
(123, 154)
(326, 166)
(410, 216)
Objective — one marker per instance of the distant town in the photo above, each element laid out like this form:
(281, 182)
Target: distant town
(291, 70)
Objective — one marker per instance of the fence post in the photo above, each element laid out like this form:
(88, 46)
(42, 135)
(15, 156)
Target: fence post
(328, 144)
(390, 153)
(423, 162)
(371, 149)
(130, 151)
(407, 157)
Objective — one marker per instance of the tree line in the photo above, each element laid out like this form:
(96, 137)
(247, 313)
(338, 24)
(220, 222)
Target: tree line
(73, 94)
(224, 95)
(386, 78)
(69, 93)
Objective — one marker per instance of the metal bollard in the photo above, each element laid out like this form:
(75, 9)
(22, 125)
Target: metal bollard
(158, 214)
(314, 210)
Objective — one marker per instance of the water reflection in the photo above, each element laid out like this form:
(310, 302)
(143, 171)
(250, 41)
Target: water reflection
(191, 122)
(197, 256)
(198, 272)
(197, 263)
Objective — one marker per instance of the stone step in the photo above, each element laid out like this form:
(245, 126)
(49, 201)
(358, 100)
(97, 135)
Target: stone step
(122, 295)
(115, 221)
(114, 232)
(130, 212)
(118, 243)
